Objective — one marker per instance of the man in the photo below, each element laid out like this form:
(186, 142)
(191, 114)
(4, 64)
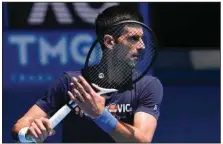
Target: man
(127, 116)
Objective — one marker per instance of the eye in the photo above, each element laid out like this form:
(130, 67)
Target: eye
(133, 39)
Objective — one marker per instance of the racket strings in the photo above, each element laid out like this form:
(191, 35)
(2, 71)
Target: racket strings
(102, 73)
(148, 53)
(102, 67)
(151, 43)
(112, 75)
(118, 72)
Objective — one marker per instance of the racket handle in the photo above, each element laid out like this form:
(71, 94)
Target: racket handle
(61, 114)
(58, 117)
(65, 110)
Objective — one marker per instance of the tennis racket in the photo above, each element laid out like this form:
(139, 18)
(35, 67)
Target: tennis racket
(120, 63)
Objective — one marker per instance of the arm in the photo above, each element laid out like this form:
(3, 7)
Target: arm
(142, 131)
(33, 113)
(36, 118)
(145, 118)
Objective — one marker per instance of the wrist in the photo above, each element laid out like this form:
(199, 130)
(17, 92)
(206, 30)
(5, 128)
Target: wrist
(106, 121)
(96, 115)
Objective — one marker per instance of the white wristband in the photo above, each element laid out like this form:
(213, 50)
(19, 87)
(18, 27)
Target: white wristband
(22, 135)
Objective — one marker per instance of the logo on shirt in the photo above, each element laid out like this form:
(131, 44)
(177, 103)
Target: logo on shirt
(119, 110)
(155, 107)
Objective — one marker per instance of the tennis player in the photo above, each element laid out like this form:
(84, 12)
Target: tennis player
(127, 116)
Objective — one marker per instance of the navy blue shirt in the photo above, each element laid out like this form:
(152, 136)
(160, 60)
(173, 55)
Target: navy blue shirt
(146, 96)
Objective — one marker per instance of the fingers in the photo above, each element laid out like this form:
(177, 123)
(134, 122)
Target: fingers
(32, 132)
(72, 97)
(75, 93)
(78, 86)
(79, 91)
(40, 129)
(40, 137)
(85, 85)
(42, 132)
(48, 125)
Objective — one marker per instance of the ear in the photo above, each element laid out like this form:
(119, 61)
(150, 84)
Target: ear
(109, 41)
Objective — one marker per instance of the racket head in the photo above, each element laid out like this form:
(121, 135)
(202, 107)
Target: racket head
(121, 64)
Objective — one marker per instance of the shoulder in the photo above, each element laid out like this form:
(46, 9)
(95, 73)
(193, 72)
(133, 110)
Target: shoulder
(150, 86)
(69, 74)
(149, 81)
(72, 73)
(149, 96)
(65, 78)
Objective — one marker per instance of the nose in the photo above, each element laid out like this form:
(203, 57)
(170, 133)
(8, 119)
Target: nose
(141, 45)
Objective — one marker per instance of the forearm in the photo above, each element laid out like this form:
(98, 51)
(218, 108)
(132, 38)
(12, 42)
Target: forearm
(127, 133)
(120, 131)
(33, 113)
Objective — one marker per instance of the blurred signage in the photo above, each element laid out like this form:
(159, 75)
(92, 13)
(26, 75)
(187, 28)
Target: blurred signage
(34, 54)
(55, 15)
(42, 40)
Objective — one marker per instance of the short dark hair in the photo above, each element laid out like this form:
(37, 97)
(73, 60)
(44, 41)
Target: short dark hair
(113, 15)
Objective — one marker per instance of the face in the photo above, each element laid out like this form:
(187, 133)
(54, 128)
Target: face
(129, 45)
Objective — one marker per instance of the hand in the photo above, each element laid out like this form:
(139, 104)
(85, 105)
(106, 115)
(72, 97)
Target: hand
(40, 129)
(87, 99)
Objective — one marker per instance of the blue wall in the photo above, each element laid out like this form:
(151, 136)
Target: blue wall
(190, 114)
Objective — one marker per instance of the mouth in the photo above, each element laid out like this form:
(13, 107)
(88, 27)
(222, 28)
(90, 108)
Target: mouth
(135, 56)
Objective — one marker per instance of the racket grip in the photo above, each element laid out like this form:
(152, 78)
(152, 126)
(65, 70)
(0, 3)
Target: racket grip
(61, 114)
(57, 117)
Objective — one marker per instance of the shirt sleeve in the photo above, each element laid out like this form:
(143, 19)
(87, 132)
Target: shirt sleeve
(56, 95)
(150, 98)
